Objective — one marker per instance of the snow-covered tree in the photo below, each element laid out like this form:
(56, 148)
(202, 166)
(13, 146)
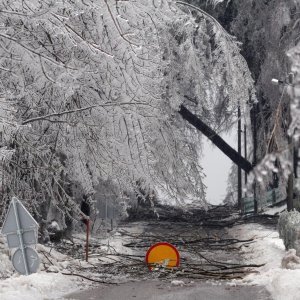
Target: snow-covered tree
(94, 88)
(294, 127)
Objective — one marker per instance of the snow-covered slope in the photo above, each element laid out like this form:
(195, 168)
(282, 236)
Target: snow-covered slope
(283, 284)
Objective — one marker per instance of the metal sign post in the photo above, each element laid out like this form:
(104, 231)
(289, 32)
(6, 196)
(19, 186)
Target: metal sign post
(86, 220)
(20, 236)
(87, 239)
(20, 229)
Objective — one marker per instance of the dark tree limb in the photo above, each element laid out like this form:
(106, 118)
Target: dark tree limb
(87, 278)
(216, 139)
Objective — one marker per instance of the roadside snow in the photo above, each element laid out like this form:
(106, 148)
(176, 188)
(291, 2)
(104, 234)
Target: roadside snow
(275, 210)
(283, 284)
(6, 268)
(38, 286)
(177, 283)
(49, 282)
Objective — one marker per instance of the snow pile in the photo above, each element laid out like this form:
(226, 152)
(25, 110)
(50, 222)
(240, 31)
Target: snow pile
(6, 268)
(52, 260)
(47, 283)
(38, 286)
(283, 284)
(177, 283)
(289, 229)
(274, 210)
(291, 260)
(53, 279)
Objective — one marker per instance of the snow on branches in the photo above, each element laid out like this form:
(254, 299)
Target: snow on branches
(294, 89)
(96, 86)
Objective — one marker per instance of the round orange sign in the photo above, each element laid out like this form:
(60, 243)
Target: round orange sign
(163, 254)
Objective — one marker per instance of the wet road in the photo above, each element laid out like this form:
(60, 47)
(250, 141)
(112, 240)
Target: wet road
(200, 249)
(155, 290)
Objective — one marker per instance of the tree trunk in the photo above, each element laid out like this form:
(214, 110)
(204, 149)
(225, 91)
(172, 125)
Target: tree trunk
(289, 197)
(216, 139)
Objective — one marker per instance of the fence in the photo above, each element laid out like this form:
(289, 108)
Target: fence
(268, 198)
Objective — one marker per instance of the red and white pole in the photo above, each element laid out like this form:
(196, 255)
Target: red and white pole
(87, 239)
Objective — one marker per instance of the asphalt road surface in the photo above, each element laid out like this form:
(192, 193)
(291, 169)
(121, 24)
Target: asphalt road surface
(200, 247)
(155, 290)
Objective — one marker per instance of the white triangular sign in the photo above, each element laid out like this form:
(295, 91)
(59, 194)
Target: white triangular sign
(25, 219)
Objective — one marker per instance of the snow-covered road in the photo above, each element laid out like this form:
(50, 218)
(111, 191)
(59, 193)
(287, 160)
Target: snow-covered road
(119, 258)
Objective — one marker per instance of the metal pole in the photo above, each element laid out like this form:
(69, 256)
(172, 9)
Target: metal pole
(87, 239)
(105, 209)
(239, 152)
(113, 215)
(20, 235)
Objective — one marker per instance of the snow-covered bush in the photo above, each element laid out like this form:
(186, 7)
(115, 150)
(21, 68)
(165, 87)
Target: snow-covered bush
(291, 260)
(289, 230)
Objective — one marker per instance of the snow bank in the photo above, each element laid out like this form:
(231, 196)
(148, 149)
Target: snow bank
(38, 286)
(50, 282)
(274, 210)
(289, 229)
(283, 284)
(6, 268)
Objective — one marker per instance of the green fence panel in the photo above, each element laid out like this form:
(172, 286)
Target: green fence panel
(268, 198)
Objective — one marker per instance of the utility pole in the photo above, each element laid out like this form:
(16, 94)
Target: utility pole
(240, 153)
(290, 184)
(290, 181)
(255, 154)
(215, 139)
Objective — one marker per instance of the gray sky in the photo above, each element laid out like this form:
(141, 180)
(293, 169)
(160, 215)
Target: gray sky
(216, 166)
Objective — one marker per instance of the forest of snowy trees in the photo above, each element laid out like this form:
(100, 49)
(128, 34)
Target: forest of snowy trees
(90, 94)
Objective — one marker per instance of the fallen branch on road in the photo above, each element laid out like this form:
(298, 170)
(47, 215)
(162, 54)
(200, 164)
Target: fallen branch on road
(85, 277)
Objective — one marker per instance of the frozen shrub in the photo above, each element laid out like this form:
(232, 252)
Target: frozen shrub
(289, 230)
(291, 260)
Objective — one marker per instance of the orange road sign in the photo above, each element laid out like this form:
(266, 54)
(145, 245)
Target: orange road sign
(163, 254)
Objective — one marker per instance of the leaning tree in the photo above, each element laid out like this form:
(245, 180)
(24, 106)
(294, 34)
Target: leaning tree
(91, 92)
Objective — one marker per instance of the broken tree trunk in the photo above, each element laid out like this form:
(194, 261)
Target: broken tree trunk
(216, 139)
